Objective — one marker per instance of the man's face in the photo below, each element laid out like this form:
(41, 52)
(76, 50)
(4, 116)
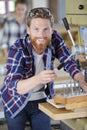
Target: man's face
(40, 32)
(21, 10)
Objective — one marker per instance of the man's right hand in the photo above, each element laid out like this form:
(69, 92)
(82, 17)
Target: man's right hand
(47, 76)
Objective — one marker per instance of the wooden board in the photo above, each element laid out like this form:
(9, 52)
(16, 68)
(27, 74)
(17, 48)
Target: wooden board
(62, 113)
(69, 100)
(71, 103)
(76, 106)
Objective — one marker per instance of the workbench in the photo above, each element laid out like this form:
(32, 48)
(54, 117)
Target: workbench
(61, 113)
(69, 119)
(74, 124)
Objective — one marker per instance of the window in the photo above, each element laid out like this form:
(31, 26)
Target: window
(2, 7)
(6, 6)
(11, 6)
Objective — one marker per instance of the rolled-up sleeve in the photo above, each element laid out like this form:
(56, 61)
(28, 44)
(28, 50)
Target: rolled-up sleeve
(14, 69)
(62, 52)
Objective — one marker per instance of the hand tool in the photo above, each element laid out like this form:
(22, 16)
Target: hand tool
(73, 43)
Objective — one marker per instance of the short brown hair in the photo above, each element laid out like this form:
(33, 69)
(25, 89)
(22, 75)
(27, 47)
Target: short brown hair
(20, 2)
(41, 12)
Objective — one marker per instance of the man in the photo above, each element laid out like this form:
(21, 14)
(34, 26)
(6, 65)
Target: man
(15, 26)
(30, 71)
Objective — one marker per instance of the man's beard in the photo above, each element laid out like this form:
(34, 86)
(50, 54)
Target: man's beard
(40, 47)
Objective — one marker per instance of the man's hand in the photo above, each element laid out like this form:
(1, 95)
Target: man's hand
(79, 77)
(47, 76)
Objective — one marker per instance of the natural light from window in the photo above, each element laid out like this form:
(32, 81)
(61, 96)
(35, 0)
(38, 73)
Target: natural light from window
(11, 6)
(2, 7)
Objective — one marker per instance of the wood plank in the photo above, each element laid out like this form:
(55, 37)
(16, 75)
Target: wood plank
(69, 100)
(60, 114)
(75, 106)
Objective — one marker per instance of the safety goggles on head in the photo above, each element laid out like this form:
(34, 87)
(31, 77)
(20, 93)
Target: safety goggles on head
(37, 12)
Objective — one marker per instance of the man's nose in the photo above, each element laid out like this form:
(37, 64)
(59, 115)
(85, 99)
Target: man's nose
(41, 33)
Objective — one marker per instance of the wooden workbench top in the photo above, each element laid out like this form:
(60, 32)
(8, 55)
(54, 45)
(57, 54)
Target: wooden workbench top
(60, 113)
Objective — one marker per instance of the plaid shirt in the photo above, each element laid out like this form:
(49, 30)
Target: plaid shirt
(20, 65)
(12, 31)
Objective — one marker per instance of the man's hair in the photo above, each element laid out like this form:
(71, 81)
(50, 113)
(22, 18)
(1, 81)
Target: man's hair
(20, 2)
(41, 12)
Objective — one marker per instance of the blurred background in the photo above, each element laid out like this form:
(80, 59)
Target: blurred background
(76, 13)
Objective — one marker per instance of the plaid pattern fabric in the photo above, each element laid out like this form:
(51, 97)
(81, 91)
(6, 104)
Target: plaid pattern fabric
(12, 31)
(20, 65)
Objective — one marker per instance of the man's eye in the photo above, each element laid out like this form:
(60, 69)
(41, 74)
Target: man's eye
(45, 29)
(36, 29)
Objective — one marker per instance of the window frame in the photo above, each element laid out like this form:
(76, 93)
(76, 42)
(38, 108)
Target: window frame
(6, 7)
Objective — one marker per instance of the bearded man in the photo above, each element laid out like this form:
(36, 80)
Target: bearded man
(30, 72)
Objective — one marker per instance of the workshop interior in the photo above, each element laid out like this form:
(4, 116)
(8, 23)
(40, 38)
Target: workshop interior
(68, 109)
